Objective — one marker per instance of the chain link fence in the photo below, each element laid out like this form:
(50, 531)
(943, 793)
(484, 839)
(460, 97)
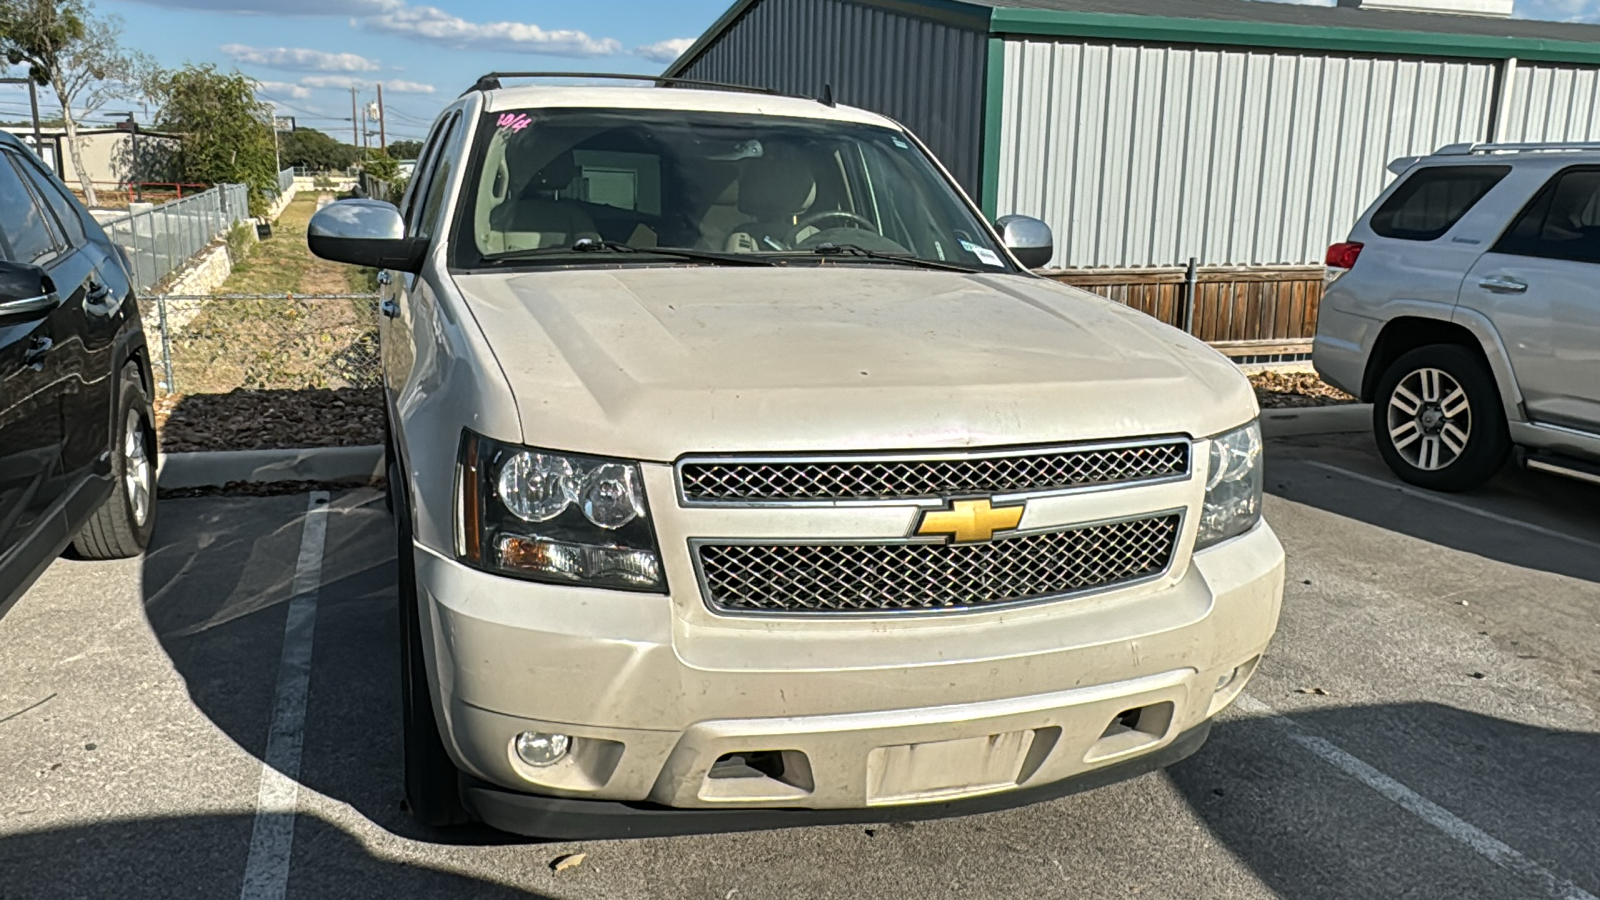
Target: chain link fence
(159, 241)
(260, 342)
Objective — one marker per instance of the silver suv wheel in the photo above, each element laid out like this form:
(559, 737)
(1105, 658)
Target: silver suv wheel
(1430, 419)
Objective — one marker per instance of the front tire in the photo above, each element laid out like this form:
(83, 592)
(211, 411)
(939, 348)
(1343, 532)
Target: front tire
(1439, 420)
(122, 526)
(432, 781)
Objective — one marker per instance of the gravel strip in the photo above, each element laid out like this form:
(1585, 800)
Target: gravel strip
(265, 489)
(270, 420)
(1288, 390)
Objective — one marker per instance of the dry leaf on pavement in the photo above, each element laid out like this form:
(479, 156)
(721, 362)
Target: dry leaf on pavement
(570, 861)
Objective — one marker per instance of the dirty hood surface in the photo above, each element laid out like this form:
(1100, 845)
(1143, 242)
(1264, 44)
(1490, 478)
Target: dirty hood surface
(654, 363)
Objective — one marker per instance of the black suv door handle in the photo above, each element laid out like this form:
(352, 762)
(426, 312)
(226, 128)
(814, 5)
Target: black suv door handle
(33, 358)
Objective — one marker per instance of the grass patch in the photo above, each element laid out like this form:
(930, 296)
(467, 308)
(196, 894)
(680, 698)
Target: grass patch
(281, 344)
(283, 264)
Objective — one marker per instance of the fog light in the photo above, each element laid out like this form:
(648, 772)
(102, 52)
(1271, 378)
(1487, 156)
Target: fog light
(537, 748)
(1226, 679)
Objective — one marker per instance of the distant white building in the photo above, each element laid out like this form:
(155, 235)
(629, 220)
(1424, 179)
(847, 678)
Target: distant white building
(112, 156)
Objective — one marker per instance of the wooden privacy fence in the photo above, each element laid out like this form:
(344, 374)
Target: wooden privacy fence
(1233, 305)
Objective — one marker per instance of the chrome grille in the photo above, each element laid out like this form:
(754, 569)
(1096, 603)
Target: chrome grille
(777, 480)
(872, 578)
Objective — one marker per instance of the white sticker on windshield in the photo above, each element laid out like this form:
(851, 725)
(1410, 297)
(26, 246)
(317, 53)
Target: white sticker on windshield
(988, 257)
(901, 144)
(968, 246)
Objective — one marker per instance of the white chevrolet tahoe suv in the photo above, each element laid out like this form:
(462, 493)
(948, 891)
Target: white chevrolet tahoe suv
(1466, 307)
(744, 477)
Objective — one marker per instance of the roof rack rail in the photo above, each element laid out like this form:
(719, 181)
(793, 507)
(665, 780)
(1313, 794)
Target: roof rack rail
(1469, 149)
(491, 81)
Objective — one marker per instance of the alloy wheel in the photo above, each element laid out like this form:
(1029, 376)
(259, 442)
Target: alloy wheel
(1430, 419)
(136, 468)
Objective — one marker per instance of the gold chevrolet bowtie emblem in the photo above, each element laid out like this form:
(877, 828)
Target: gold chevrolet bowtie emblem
(969, 521)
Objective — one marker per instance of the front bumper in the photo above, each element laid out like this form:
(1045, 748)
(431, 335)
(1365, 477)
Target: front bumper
(557, 818)
(869, 715)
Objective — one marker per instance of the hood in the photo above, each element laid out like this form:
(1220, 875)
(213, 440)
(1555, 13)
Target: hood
(653, 363)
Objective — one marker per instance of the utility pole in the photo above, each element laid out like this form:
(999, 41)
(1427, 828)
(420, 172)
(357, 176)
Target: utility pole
(383, 130)
(364, 131)
(355, 123)
(33, 104)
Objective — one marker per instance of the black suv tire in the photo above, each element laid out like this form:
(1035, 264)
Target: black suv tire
(432, 781)
(1438, 419)
(122, 526)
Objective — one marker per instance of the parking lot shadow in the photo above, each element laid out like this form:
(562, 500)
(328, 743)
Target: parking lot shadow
(1313, 832)
(203, 857)
(1343, 474)
(217, 585)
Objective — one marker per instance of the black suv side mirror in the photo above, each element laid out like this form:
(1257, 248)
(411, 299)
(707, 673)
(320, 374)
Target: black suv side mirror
(25, 289)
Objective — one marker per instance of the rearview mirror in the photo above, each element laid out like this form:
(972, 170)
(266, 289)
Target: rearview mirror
(1028, 239)
(25, 289)
(364, 233)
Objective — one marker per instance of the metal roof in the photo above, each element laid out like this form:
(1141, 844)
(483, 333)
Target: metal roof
(1301, 14)
(1246, 23)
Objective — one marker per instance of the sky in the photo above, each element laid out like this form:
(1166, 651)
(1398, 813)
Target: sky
(307, 54)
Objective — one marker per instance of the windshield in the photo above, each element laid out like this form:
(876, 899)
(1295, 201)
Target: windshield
(645, 183)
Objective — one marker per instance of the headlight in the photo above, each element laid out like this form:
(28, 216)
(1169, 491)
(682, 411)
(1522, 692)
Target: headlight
(557, 517)
(1233, 486)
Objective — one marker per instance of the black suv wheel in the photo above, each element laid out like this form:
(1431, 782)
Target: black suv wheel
(122, 526)
(1439, 420)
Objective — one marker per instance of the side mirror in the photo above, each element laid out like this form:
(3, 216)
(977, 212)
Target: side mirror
(1028, 239)
(24, 290)
(364, 233)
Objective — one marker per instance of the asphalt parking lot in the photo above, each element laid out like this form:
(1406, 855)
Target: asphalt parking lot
(1426, 726)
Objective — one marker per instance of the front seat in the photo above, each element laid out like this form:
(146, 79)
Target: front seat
(773, 189)
(539, 218)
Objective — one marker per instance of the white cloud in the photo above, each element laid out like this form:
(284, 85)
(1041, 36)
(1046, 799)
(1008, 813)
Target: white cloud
(299, 59)
(408, 87)
(283, 89)
(664, 51)
(434, 25)
(346, 82)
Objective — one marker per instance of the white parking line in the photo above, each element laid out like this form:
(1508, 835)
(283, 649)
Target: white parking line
(266, 873)
(1448, 823)
(1455, 504)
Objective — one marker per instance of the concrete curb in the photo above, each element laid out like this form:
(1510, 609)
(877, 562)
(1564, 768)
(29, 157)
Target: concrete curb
(325, 464)
(365, 464)
(1316, 420)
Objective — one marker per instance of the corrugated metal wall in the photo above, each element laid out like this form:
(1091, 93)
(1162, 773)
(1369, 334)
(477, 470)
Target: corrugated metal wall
(1148, 155)
(1553, 103)
(928, 75)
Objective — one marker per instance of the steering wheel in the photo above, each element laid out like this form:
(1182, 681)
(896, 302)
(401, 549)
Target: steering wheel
(810, 219)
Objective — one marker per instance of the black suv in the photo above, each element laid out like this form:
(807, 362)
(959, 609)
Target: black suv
(77, 434)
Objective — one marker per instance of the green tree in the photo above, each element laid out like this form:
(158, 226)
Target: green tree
(380, 165)
(405, 149)
(312, 149)
(75, 53)
(227, 131)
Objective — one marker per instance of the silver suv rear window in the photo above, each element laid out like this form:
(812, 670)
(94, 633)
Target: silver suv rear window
(1433, 199)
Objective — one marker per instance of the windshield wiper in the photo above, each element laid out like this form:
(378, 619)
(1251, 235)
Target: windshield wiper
(589, 245)
(831, 249)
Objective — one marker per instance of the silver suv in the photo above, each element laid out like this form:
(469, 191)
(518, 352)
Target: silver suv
(1466, 308)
